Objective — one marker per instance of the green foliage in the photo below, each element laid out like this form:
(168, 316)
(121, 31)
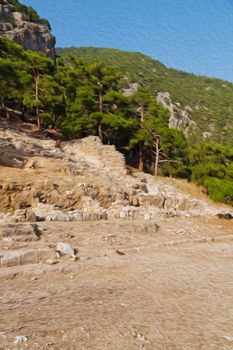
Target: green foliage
(29, 14)
(220, 190)
(84, 99)
(212, 166)
(210, 99)
(11, 50)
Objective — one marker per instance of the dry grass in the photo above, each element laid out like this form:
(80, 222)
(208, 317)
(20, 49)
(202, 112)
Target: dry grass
(186, 187)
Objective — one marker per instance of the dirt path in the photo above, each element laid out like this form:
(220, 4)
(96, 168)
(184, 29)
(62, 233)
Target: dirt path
(132, 288)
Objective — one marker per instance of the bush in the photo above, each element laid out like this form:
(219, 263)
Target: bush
(203, 170)
(219, 190)
(29, 14)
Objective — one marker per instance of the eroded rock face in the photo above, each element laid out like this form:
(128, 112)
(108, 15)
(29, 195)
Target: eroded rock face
(32, 36)
(19, 232)
(83, 180)
(180, 118)
(131, 90)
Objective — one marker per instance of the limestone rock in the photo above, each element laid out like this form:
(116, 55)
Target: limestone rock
(84, 181)
(30, 216)
(179, 117)
(124, 214)
(26, 256)
(20, 339)
(20, 232)
(77, 216)
(65, 249)
(22, 215)
(30, 164)
(32, 36)
(131, 90)
(20, 145)
(101, 157)
(147, 217)
(57, 215)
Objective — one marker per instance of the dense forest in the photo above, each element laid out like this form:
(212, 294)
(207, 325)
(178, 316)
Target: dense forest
(210, 99)
(83, 98)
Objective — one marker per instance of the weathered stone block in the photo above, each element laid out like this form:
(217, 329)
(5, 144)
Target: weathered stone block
(30, 216)
(23, 232)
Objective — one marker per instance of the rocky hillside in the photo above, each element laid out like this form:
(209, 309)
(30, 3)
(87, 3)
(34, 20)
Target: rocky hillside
(93, 256)
(82, 180)
(200, 106)
(23, 25)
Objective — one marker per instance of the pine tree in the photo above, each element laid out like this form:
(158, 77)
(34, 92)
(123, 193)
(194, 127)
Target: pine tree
(37, 65)
(103, 79)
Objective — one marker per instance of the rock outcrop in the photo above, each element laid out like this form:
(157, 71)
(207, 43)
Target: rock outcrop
(180, 118)
(130, 90)
(83, 180)
(30, 35)
(105, 241)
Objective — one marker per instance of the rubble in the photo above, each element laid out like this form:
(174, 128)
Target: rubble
(85, 180)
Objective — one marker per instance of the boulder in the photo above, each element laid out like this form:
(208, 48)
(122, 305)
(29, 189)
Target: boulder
(20, 146)
(66, 249)
(30, 215)
(147, 217)
(20, 339)
(124, 214)
(30, 164)
(20, 213)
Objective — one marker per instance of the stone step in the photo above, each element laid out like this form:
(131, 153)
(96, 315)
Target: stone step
(26, 256)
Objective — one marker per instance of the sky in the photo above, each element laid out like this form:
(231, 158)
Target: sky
(195, 36)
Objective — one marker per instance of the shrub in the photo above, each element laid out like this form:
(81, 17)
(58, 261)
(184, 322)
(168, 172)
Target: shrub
(219, 190)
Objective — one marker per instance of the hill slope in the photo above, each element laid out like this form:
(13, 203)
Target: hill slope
(82, 179)
(87, 242)
(204, 103)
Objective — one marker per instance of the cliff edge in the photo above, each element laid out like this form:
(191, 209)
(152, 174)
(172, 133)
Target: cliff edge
(23, 25)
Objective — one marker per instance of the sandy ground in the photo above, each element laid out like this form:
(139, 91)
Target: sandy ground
(133, 287)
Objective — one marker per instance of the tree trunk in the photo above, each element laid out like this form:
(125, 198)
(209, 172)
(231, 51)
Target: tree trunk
(4, 108)
(141, 143)
(2, 103)
(37, 99)
(101, 111)
(7, 114)
(58, 143)
(142, 113)
(156, 156)
(54, 120)
(100, 102)
(140, 163)
(100, 133)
